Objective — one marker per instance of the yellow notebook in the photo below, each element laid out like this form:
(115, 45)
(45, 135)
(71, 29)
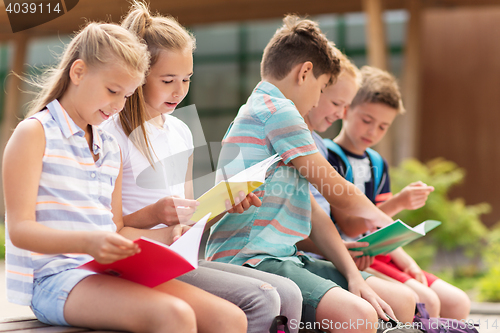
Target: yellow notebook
(214, 200)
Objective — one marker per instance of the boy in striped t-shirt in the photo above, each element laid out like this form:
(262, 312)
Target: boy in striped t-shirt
(297, 64)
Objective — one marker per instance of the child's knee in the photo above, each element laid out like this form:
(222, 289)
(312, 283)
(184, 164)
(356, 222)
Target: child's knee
(290, 294)
(431, 301)
(366, 317)
(267, 302)
(363, 319)
(180, 315)
(404, 308)
(235, 320)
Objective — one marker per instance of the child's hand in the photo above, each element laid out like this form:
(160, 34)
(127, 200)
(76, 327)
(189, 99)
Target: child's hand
(416, 272)
(175, 232)
(242, 203)
(414, 195)
(107, 247)
(362, 262)
(174, 210)
(362, 289)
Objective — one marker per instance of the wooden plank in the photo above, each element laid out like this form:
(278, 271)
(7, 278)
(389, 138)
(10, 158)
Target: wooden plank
(407, 127)
(207, 11)
(36, 326)
(31, 324)
(460, 99)
(377, 57)
(20, 325)
(52, 329)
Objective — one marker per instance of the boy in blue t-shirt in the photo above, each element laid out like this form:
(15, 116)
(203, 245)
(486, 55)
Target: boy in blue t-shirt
(365, 123)
(297, 64)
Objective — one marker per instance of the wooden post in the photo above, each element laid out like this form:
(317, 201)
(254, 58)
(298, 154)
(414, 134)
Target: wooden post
(12, 106)
(408, 126)
(377, 57)
(375, 34)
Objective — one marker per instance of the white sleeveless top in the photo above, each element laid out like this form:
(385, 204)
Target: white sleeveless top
(74, 194)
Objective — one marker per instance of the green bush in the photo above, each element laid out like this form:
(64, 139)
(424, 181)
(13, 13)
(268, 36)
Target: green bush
(2, 241)
(461, 227)
(489, 285)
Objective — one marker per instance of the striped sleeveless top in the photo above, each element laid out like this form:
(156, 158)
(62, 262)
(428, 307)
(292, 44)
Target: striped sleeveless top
(74, 194)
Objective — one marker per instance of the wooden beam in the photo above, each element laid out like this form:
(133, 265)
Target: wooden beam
(12, 106)
(408, 127)
(191, 12)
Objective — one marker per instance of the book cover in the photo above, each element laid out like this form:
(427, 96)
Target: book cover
(157, 262)
(214, 200)
(394, 235)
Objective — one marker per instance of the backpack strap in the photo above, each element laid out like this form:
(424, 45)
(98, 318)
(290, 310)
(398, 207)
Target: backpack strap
(378, 168)
(334, 147)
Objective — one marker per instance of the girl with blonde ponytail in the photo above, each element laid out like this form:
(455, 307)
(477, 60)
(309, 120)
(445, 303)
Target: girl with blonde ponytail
(148, 135)
(62, 183)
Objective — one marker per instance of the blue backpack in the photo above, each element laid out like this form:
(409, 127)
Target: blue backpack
(377, 163)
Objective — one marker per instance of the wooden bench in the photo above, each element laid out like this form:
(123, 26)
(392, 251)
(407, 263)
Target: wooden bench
(32, 325)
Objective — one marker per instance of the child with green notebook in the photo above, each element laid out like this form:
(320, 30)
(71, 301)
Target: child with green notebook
(365, 123)
(297, 65)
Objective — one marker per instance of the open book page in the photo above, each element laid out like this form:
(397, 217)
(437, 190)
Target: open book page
(214, 200)
(393, 236)
(188, 245)
(157, 262)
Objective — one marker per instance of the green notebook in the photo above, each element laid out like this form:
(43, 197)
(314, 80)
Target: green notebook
(393, 236)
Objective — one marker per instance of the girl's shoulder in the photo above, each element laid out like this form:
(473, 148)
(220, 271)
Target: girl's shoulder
(112, 127)
(177, 124)
(179, 127)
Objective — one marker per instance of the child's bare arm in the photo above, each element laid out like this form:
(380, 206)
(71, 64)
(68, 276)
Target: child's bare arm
(168, 210)
(411, 197)
(408, 265)
(340, 193)
(350, 225)
(163, 235)
(22, 168)
(327, 239)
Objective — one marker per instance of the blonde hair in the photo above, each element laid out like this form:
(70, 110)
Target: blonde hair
(349, 68)
(159, 33)
(379, 86)
(297, 41)
(96, 44)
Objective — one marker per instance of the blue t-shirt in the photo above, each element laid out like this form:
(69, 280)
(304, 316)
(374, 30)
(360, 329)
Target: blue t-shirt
(267, 124)
(363, 174)
(363, 178)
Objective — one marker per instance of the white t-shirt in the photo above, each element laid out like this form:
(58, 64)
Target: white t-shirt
(171, 146)
(361, 170)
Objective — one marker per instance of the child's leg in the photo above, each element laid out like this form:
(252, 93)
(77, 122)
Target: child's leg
(324, 306)
(426, 295)
(345, 312)
(105, 302)
(397, 295)
(261, 295)
(213, 314)
(454, 302)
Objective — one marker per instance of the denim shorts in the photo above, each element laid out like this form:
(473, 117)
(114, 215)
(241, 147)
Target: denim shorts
(51, 292)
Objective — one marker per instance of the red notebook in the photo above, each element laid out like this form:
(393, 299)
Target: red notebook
(157, 262)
